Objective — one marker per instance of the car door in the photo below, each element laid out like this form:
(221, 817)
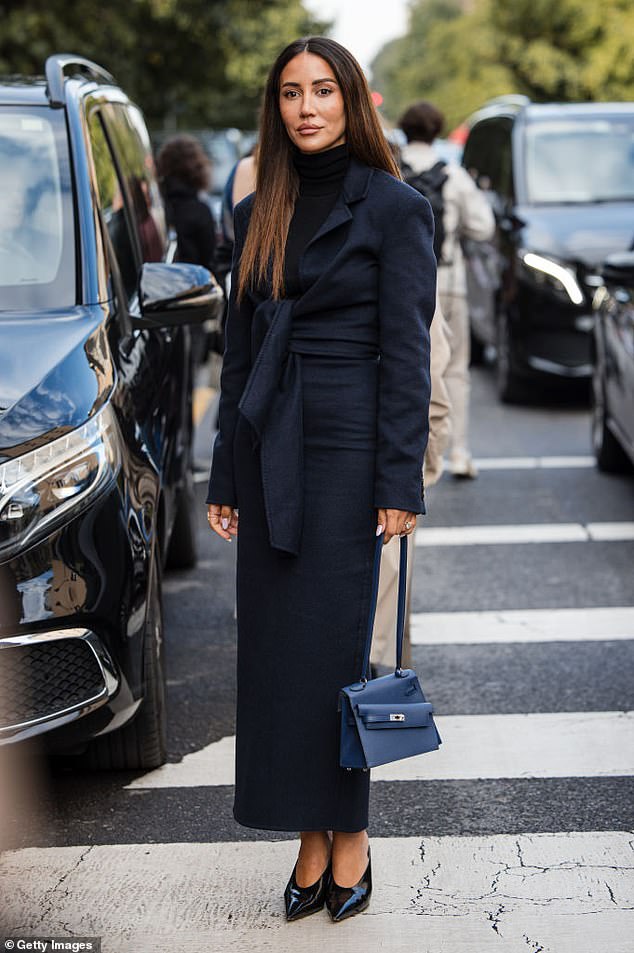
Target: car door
(166, 350)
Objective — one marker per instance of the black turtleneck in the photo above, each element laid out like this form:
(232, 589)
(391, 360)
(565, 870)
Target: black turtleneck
(321, 175)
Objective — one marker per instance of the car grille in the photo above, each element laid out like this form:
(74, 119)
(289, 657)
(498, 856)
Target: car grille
(39, 679)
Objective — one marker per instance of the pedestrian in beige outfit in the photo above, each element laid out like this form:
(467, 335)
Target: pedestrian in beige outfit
(383, 638)
(467, 214)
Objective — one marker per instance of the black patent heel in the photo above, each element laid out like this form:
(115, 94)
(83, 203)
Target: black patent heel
(302, 901)
(344, 902)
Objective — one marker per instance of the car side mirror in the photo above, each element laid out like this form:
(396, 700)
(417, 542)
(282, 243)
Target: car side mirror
(173, 294)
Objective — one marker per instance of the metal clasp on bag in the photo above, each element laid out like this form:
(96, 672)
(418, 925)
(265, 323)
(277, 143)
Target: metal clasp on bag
(397, 716)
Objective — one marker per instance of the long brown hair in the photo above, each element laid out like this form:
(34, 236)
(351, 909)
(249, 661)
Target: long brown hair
(277, 182)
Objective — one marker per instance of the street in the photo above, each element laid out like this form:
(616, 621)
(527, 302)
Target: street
(516, 835)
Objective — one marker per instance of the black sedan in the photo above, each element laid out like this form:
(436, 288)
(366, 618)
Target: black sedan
(95, 418)
(613, 379)
(560, 178)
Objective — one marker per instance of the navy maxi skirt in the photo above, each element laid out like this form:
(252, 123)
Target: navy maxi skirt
(302, 619)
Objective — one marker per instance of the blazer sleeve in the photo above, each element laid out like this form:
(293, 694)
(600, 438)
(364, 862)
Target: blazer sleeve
(235, 371)
(407, 296)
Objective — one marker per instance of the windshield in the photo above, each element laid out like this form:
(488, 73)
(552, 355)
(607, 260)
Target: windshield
(580, 159)
(37, 244)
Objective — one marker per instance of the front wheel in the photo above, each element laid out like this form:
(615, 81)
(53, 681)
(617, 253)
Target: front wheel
(510, 386)
(476, 351)
(608, 452)
(142, 742)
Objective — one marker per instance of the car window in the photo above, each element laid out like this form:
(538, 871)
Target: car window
(134, 155)
(37, 234)
(554, 146)
(487, 155)
(112, 203)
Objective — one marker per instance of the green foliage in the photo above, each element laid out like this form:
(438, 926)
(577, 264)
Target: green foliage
(187, 63)
(461, 54)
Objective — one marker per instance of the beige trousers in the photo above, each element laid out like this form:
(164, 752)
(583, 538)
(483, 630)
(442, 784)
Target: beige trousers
(384, 636)
(457, 380)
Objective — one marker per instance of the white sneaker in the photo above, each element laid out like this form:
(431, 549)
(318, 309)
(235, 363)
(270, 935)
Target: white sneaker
(463, 468)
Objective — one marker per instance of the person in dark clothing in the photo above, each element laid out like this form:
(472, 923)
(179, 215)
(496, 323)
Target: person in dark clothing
(324, 400)
(184, 171)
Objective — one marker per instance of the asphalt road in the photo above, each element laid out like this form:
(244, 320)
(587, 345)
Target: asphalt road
(140, 860)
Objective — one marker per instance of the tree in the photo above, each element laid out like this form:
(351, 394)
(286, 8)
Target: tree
(572, 50)
(460, 54)
(185, 62)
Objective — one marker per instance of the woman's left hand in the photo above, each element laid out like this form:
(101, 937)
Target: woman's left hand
(395, 523)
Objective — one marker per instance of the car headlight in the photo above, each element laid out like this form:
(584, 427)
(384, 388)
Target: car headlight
(40, 487)
(558, 277)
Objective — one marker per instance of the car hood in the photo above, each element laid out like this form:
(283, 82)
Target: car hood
(581, 233)
(55, 372)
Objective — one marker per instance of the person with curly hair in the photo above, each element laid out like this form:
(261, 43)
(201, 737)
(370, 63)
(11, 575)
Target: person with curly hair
(184, 171)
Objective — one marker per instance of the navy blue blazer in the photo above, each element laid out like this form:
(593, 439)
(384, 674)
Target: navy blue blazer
(369, 285)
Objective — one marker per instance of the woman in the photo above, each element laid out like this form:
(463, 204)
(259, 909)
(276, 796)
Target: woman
(185, 171)
(322, 432)
(466, 214)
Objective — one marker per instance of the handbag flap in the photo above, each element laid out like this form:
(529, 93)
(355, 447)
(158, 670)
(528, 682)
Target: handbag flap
(395, 715)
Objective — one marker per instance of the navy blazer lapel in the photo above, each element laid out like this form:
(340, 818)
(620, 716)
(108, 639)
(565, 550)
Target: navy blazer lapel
(355, 186)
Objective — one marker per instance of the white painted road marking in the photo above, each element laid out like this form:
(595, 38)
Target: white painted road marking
(522, 625)
(490, 535)
(507, 463)
(611, 532)
(558, 893)
(535, 745)
(534, 463)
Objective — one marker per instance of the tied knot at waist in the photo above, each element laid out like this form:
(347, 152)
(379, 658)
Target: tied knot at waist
(272, 404)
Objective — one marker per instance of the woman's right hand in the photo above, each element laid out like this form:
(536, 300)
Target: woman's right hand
(223, 520)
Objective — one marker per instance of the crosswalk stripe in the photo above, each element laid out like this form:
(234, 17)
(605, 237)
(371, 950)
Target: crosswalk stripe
(506, 534)
(610, 532)
(534, 463)
(535, 745)
(556, 892)
(522, 625)
(521, 533)
(506, 463)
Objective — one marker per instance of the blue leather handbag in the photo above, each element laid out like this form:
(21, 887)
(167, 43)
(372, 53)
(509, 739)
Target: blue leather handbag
(388, 718)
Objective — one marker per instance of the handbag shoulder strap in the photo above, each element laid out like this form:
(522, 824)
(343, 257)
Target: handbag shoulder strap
(400, 616)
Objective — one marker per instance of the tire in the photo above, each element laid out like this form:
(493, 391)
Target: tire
(476, 357)
(511, 388)
(182, 552)
(142, 742)
(608, 452)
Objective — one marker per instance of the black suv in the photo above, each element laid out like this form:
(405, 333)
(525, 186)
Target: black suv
(613, 378)
(95, 417)
(560, 178)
